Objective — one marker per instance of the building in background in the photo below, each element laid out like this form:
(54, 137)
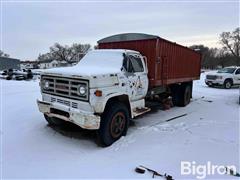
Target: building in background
(46, 64)
(29, 65)
(9, 63)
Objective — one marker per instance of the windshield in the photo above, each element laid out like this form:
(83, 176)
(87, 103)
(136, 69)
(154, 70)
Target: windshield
(107, 59)
(227, 70)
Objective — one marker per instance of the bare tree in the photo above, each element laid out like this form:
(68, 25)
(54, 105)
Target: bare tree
(77, 51)
(66, 53)
(213, 58)
(231, 42)
(2, 54)
(204, 51)
(46, 56)
(60, 52)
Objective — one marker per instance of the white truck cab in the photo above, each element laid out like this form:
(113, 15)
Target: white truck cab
(227, 77)
(101, 92)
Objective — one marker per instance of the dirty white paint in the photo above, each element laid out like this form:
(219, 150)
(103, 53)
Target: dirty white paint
(112, 83)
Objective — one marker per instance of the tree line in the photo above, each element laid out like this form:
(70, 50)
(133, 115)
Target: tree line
(227, 55)
(65, 53)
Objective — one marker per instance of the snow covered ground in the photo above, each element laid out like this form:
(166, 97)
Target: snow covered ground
(32, 149)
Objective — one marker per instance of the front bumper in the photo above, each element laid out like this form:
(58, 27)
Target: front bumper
(83, 119)
(214, 82)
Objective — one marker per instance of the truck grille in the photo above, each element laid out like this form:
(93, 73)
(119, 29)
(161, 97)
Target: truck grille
(64, 87)
(67, 103)
(212, 77)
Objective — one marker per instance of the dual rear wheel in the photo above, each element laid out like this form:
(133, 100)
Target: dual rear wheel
(181, 94)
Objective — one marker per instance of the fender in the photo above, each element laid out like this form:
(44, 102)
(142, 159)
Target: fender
(100, 105)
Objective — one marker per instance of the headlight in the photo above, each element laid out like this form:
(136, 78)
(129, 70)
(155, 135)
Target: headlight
(45, 84)
(219, 77)
(82, 90)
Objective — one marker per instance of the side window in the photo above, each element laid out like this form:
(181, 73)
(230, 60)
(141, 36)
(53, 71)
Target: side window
(237, 71)
(135, 64)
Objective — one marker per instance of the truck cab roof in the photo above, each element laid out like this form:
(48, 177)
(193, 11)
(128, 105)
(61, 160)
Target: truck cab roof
(116, 50)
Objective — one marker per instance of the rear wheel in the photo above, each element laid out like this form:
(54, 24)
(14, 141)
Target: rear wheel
(114, 124)
(185, 95)
(53, 121)
(182, 94)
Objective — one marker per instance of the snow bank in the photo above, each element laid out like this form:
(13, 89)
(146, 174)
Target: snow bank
(32, 149)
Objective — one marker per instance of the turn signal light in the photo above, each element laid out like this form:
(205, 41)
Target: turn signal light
(98, 93)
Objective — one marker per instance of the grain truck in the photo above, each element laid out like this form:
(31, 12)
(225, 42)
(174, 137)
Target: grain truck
(111, 85)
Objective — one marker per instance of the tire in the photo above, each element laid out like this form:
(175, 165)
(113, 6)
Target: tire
(185, 95)
(114, 124)
(175, 96)
(181, 94)
(227, 84)
(208, 84)
(9, 78)
(53, 121)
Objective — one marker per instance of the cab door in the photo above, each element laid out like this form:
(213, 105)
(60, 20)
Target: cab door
(136, 73)
(237, 76)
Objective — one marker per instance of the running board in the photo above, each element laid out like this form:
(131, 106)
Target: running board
(138, 112)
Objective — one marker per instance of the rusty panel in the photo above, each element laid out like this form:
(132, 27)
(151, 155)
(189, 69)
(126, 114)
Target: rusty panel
(168, 62)
(179, 63)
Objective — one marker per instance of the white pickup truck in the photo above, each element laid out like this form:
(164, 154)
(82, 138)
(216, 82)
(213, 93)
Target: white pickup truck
(226, 77)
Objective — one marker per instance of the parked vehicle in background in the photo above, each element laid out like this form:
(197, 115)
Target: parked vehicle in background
(111, 85)
(17, 74)
(226, 77)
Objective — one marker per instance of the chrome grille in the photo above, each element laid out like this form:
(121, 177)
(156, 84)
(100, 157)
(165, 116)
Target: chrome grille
(74, 105)
(211, 77)
(65, 87)
(67, 103)
(53, 99)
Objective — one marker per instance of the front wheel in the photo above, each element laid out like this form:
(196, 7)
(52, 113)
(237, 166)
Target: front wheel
(210, 85)
(227, 84)
(53, 121)
(114, 124)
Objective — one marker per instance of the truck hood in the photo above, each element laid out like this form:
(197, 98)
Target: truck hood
(96, 62)
(219, 74)
(83, 71)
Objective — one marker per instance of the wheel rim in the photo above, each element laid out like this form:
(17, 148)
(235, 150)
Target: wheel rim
(117, 125)
(228, 85)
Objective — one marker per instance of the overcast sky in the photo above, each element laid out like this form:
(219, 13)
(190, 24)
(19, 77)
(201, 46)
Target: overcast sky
(31, 28)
